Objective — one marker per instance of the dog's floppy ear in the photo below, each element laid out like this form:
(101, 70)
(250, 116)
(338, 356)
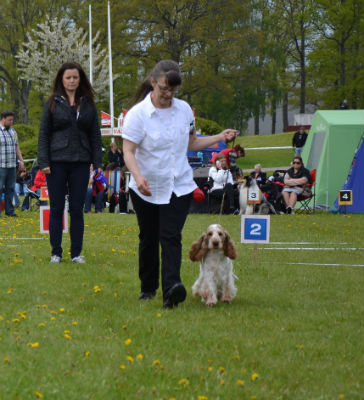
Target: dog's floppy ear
(198, 249)
(229, 247)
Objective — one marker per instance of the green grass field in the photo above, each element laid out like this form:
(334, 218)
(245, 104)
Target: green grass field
(294, 331)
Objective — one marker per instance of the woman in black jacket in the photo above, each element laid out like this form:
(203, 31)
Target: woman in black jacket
(69, 141)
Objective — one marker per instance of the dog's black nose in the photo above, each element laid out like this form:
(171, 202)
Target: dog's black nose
(215, 244)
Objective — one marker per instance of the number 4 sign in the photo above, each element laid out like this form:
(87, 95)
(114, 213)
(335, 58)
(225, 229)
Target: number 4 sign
(255, 229)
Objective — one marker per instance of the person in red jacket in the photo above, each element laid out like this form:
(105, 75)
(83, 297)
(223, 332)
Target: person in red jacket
(39, 181)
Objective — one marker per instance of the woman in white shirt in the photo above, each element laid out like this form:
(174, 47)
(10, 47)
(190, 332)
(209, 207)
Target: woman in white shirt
(158, 130)
(223, 182)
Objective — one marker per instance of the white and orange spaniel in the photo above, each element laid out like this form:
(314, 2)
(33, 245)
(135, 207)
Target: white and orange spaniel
(215, 250)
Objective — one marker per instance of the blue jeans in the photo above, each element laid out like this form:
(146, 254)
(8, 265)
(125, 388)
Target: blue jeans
(7, 183)
(98, 200)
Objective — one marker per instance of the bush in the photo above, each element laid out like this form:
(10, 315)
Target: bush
(25, 132)
(207, 126)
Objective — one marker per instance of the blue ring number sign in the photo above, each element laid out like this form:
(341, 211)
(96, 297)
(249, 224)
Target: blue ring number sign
(255, 228)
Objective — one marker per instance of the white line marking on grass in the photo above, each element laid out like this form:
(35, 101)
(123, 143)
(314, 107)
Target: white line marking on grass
(20, 238)
(319, 264)
(314, 248)
(305, 243)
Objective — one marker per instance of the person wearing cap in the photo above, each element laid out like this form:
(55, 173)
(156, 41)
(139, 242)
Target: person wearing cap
(157, 133)
(298, 141)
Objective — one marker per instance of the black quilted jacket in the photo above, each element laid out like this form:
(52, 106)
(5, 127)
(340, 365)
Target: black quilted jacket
(65, 138)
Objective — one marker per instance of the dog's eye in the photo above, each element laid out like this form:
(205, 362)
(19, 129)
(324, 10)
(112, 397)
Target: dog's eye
(209, 233)
(220, 233)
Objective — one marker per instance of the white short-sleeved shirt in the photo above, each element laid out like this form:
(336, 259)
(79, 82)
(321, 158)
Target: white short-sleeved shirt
(162, 136)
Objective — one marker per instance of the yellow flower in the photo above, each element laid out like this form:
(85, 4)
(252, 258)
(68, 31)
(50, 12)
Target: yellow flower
(202, 398)
(302, 346)
(240, 382)
(6, 359)
(97, 289)
(159, 315)
(127, 342)
(254, 376)
(122, 366)
(35, 344)
(221, 370)
(113, 250)
(156, 363)
(39, 395)
(10, 291)
(130, 358)
(184, 382)
(116, 294)
(53, 318)
(87, 354)
(67, 332)
(16, 320)
(61, 309)
(54, 312)
(253, 397)
(44, 306)
(222, 382)
(124, 327)
(139, 356)
(67, 336)
(74, 323)
(210, 368)
(42, 324)
(341, 396)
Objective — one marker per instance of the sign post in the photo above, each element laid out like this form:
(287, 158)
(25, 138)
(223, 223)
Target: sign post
(345, 198)
(255, 229)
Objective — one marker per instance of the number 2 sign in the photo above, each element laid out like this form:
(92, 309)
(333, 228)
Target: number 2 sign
(255, 229)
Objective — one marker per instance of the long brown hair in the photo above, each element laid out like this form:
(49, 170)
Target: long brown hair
(168, 68)
(84, 89)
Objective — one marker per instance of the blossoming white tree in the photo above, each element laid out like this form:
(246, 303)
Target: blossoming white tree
(56, 42)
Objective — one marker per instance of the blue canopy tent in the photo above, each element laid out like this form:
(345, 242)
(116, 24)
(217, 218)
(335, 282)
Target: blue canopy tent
(354, 182)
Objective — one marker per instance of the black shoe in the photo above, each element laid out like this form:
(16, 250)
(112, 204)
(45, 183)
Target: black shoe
(147, 295)
(289, 210)
(176, 294)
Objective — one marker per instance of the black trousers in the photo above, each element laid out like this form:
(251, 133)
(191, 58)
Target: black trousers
(229, 203)
(71, 178)
(160, 225)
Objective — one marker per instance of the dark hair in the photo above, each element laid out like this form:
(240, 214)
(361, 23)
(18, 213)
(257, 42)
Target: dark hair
(6, 114)
(84, 89)
(298, 158)
(168, 68)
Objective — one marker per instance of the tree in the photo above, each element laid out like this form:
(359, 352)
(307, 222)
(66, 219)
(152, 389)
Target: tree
(52, 44)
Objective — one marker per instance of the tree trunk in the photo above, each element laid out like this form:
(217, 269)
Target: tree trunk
(274, 115)
(303, 70)
(256, 123)
(285, 112)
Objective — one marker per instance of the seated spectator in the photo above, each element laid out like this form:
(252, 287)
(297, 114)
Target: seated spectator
(23, 179)
(259, 175)
(39, 181)
(115, 156)
(94, 193)
(231, 154)
(222, 182)
(294, 181)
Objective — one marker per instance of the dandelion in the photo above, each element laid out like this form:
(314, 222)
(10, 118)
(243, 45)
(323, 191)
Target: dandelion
(210, 368)
(184, 382)
(159, 315)
(39, 395)
(123, 252)
(16, 320)
(222, 382)
(240, 382)
(122, 366)
(156, 363)
(254, 376)
(202, 398)
(74, 323)
(42, 325)
(127, 342)
(35, 344)
(341, 396)
(61, 309)
(6, 360)
(44, 306)
(97, 289)
(113, 250)
(130, 359)
(44, 292)
(221, 370)
(87, 354)
(302, 346)
(54, 312)
(67, 332)
(139, 356)
(67, 336)
(253, 397)
(116, 294)
(10, 291)
(53, 318)
(124, 327)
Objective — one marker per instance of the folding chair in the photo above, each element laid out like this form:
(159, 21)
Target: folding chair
(33, 198)
(305, 199)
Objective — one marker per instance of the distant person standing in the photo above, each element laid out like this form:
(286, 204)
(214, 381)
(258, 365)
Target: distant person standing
(69, 141)
(298, 141)
(344, 105)
(9, 151)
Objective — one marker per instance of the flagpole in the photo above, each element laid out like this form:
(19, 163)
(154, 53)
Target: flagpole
(110, 69)
(90, 43)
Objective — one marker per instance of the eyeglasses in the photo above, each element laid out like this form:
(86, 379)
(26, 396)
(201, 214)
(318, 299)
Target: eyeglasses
(296, 162)
(164, 89)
